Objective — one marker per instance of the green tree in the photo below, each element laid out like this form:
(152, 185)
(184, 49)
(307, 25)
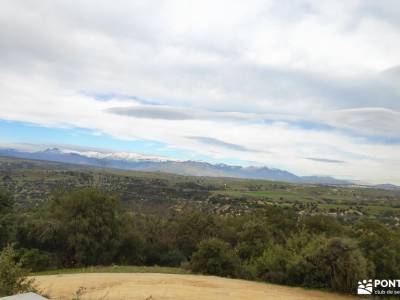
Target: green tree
(131, 244)
(277, 262)
(191, 229)
(253, 239)
(335, 263)
(35, 260)
(322, 225)
(6, 218)
(6, 202)
(381, 245)
(13, 278)
(215, 257)
(89, 225)
(271, 266)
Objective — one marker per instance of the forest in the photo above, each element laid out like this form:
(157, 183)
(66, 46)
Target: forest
(90, 227)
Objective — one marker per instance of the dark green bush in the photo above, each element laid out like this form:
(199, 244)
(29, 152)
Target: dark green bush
(335, 263)
(381, 246)
(215, 257)
(89, 225)
(254, 237)
(36, 260)
(6, 218)
(272, 264)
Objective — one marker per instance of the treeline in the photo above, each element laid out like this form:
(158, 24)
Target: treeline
(87, 227)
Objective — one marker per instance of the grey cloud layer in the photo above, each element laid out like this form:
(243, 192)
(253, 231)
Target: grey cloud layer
(369, 120)
(179, 113)
(326, 160)
(151, 113)
(219, 143)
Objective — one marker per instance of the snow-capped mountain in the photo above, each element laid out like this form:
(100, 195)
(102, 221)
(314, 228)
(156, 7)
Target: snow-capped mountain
(126, 156)
(136, 161)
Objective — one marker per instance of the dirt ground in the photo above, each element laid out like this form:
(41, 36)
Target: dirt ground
(136, 286)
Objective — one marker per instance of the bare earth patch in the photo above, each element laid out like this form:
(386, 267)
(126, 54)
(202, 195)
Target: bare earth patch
(153, 286)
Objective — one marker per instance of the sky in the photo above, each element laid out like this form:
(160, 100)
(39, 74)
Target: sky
(312, 87)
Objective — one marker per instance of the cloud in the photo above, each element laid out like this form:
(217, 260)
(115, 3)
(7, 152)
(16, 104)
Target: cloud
(376, 121)
(220, 144)
(326, 160)
(162, 113)
(387, 12)
(307, 79)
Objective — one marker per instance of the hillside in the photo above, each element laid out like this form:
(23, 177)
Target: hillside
(32, 182)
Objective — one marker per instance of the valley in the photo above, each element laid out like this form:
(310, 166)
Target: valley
(33, 181)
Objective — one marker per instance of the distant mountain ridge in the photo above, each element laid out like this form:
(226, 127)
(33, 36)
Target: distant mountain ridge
(387, 186)
(135, 161)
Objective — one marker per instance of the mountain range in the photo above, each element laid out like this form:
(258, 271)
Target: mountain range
(135, 161)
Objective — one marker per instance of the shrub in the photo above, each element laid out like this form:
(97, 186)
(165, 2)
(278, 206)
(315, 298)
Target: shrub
(253, 239)
(13, 278)
(381, 246)
(88, 222)
(191, 229)
(6, 219)
(215, 257)
(6, 202)
(323, 225)
(336, 263)
(272, 264)
(35, 260)
(172, 258)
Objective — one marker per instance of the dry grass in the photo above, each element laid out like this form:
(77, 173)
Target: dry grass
(155, 286)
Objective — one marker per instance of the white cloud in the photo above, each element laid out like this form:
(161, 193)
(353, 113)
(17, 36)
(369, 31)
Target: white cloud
(224, 67)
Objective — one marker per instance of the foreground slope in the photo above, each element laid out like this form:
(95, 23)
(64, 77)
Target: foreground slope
(136, 286)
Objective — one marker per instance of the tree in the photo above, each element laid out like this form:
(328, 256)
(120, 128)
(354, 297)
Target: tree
(253, 239)
(215, 257)
(191, 229)
(278, 261)
(335, 263)
(271, 266)
(381, 246)
(131, 244)
(6, 202)
(35, 260)
(319, 224)
(89, 224)
(6, 218)
(13, 278)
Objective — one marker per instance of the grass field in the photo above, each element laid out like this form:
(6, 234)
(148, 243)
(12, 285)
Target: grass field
(114, 269)
(155, 286)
